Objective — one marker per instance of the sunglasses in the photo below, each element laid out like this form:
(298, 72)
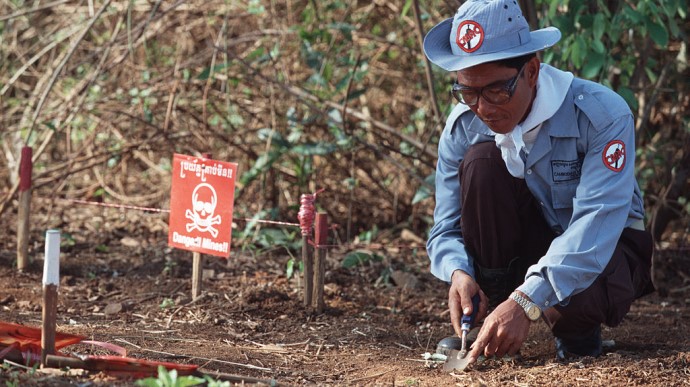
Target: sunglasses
(495, 94)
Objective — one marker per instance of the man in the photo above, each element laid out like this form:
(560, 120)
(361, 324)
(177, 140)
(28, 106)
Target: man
(537, 206)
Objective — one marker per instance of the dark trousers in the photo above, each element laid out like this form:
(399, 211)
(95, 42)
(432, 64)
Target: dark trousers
(505, 232)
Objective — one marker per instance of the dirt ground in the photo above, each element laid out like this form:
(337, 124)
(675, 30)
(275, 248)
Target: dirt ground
(121, 284)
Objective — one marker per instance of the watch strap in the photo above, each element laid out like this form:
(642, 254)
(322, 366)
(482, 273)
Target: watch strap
(526, 304)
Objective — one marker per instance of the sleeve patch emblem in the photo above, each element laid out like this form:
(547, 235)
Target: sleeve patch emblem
(614, 155)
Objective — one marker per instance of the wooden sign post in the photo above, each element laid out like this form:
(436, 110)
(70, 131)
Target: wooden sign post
(201, 202)
(51, 280)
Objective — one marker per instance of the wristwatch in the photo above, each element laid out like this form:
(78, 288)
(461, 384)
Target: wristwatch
(532, 311)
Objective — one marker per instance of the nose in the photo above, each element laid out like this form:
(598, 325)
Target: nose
(484, 109)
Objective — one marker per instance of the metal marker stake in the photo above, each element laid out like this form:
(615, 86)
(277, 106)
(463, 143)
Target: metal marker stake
(51, 279)
(25, 172)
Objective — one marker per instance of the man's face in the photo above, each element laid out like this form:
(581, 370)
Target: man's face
(501, 118)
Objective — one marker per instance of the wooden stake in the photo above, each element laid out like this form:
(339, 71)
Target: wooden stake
(307, 259)
(197, 274)
(51, 279)
(25, 172)
(321, 237)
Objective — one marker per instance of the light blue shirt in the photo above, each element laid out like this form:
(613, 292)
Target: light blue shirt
(581, 172)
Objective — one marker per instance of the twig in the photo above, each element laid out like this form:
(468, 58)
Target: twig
(33, 60)
(403, 346)
(251, 366)
(308, 99)
(427, 64)
(202, 296)
(680, 290)
(369, 377)
(32, 10)
(207, 86)
(352, 152)
(127, 342)
(647, 110)
(58, 69)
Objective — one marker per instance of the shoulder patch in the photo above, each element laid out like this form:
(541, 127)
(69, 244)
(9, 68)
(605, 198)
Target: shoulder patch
(613, 155)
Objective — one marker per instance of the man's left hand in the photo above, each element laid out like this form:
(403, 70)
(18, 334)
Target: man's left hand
(503, 332)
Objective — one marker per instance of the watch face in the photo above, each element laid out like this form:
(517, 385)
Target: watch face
(533, 312)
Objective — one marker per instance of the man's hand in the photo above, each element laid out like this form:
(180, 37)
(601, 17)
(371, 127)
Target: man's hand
(462, 288)
(503, 332)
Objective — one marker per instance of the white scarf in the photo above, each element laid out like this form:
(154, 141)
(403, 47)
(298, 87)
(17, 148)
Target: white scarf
(552, 87)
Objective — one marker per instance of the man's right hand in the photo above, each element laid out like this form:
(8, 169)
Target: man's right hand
(462, 288)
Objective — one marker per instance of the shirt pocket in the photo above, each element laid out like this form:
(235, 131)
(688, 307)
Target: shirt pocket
(562, 195)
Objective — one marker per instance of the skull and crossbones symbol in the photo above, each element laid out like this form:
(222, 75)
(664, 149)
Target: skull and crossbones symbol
(204, 202)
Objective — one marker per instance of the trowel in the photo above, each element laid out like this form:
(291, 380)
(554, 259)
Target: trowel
(457, 358)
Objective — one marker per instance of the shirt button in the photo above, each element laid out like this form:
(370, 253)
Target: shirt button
(546, 303)
(541, 203)
(529, 171)
(580, 97)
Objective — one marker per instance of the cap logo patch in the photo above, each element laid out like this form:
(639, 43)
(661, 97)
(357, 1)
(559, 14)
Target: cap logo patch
(470, 36)
(614, 155)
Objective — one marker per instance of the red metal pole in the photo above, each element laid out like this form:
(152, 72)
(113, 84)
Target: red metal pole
(25, 172)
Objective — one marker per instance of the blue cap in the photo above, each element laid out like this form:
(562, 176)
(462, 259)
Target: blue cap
(485, 31)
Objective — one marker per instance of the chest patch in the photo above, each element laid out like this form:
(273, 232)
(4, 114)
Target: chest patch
(613, 155)
(563, 170)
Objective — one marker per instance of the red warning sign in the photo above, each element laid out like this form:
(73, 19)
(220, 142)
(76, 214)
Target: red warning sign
(201, 202)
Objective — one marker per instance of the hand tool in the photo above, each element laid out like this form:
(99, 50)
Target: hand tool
(456, 358)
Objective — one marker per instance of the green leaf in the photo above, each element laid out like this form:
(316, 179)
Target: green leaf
(594, 63)
(359, 257)
(344, 28)
(651, 74)
(277, 139)
(255, 8)
(262, 164)
(683, 10)
(406, 8)
(271, 237)
(553, 8)
(599, 26)
(633, 15)
(658, 33)
(576, 53)
(629, 97)
(258, 53)
(425, 190)
(598, 47)
(290, 268)
(207, 71)
(311, 149)
(170, 379)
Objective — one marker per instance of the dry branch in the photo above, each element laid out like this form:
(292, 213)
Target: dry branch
(58, 69)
